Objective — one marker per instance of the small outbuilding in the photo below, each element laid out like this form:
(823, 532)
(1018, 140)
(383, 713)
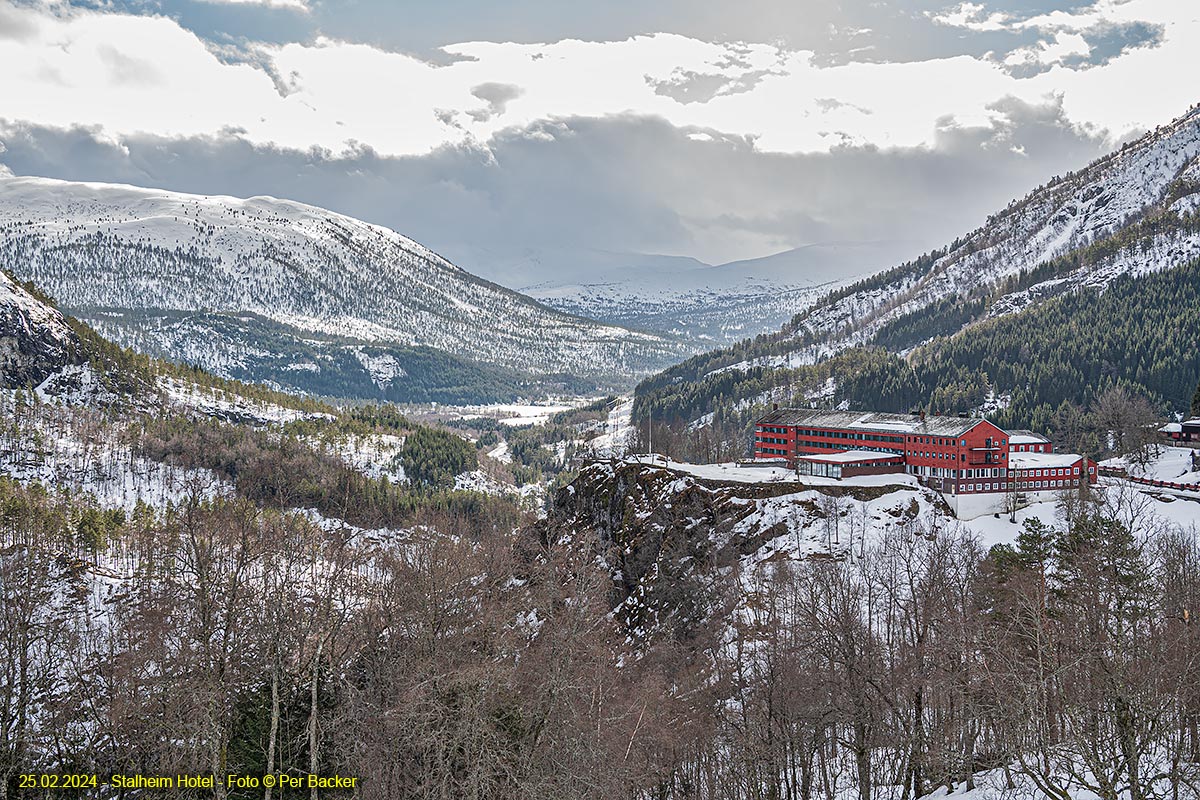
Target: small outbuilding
(1184, 433)
(849, 464)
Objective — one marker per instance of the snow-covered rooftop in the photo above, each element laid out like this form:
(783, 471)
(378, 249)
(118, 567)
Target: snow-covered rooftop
(752, 474)
(872, 421)
(1041, 460)
(850, 456)
(1026, 437)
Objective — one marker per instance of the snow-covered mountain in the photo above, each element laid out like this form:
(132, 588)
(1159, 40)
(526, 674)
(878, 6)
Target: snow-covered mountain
(273, 290)
(717, 304)
(1122, 207)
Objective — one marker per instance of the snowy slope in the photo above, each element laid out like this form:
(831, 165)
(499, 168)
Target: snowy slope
(106, 250)
(1159, 173)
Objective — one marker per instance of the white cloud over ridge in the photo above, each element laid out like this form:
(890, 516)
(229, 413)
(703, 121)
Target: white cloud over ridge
(129, 74)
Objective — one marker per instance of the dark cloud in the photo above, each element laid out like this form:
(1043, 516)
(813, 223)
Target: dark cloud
(619, 184)
(127, 70)
(497, 96)
(14, 25)
(689, 86)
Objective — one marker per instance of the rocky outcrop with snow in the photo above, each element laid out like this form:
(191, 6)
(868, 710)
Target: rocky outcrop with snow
(665, 533)
(35, 340)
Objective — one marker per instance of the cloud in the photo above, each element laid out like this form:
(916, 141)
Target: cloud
(128, 73)
(625, 183)
(128, 70)
(972, 17)
(689, 86)
(1065, 47)
(497, 96)
(290, 5)
(15, 25)
(654, 143)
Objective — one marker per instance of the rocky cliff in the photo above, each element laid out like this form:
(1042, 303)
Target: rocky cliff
(35, 339)
(676, 545)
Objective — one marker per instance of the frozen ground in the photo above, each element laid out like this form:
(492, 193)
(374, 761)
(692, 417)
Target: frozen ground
(618, 432)
(223, 405)
(1170, 464)
(520, 415)
(108, 471)
(741, 474)
(991, 530)
(500, 453)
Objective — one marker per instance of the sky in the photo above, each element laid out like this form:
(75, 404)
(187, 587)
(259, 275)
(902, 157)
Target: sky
(514, 137)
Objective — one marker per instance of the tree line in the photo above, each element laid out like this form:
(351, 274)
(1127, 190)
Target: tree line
(477, 661)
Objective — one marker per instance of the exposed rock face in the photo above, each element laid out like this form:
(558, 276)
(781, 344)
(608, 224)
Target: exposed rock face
(670, 540)
(35, 340)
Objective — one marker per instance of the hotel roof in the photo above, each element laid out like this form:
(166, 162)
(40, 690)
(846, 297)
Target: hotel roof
(1041, 460)
(872, 421)
(1026, 437)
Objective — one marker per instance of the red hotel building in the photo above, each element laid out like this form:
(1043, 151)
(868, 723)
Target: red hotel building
(953, 455)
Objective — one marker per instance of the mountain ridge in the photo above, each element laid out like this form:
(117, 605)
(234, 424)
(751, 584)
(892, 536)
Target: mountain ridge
(147, 251)
(718, 303)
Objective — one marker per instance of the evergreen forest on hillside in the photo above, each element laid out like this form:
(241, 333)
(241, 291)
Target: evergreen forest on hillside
(1140, 333)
